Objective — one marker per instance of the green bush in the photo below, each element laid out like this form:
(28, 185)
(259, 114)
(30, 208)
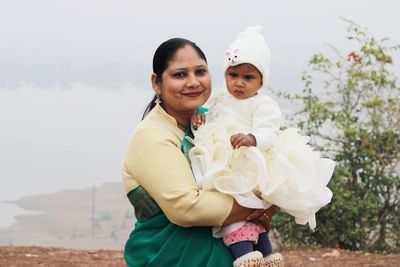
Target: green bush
(356, 122)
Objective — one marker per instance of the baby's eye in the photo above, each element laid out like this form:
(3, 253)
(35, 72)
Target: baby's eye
(233, 74)
(248, 77)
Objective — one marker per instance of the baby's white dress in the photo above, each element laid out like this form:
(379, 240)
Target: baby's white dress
(282, 169)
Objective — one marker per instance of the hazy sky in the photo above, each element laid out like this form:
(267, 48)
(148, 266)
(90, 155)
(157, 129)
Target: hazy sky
(107, 42)
(74, 75)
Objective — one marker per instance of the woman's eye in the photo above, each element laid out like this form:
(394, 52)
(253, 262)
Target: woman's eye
(179, 74)
(201, 72)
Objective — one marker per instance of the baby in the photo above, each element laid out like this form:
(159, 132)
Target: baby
(246, 71)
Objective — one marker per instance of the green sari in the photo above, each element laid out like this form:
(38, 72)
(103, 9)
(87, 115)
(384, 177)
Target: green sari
(156, 242)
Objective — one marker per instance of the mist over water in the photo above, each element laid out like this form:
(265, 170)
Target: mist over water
(8, 213)
(54, 139)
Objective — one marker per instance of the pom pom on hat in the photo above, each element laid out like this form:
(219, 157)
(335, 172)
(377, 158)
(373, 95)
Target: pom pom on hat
(250, 47)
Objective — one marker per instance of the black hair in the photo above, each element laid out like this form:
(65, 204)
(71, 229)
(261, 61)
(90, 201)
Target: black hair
(163, 55)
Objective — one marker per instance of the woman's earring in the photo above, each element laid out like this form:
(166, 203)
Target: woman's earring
(158, 100)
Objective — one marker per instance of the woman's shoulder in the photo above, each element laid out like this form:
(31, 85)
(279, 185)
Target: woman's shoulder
(152, 130)
(155, 127)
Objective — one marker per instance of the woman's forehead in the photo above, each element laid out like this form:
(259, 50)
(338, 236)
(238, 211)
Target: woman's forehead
(186, 57)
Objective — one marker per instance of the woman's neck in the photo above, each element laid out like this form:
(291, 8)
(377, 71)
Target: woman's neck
(182, 119)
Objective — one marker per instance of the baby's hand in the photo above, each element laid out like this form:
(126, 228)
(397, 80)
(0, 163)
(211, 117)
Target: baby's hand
(198, 120)
(240, 139)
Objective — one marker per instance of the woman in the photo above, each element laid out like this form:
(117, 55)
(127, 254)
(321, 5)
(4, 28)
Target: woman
(174, 217)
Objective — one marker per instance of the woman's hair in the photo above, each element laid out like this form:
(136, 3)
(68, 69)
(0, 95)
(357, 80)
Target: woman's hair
(163, 55)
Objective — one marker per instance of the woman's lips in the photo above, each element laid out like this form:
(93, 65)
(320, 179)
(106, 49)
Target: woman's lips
(193, 94)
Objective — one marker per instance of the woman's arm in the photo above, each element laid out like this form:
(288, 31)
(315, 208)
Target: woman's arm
(157, 164)
(238, 213)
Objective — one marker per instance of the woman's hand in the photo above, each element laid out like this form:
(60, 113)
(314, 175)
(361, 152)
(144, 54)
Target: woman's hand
(264, 217)
(240, 213)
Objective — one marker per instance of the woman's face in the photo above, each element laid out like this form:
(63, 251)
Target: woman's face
(185, 84)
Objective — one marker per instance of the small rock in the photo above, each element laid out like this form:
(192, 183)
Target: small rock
(334, 253)
(312, 259)
(31, 255)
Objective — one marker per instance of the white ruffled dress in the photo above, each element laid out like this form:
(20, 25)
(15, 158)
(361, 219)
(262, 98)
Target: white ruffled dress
(282, 170)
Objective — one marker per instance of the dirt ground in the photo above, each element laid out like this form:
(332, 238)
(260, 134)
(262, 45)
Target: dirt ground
(310, 257)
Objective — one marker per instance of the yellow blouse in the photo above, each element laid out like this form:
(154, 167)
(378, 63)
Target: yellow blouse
(154, 161)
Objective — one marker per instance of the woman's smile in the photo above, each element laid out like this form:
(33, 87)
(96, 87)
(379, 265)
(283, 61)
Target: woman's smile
(193, 94)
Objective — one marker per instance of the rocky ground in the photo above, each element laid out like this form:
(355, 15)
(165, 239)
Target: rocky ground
(310, 257)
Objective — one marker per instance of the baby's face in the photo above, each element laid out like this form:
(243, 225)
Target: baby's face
(243, 81)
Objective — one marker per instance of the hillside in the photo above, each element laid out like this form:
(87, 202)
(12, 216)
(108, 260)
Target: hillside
(66, 219)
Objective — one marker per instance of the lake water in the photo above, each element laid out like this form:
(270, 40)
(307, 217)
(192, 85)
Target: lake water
(8, 212)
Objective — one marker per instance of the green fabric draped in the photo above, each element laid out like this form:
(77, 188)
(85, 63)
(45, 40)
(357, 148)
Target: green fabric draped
(145, 206)
(157, 242)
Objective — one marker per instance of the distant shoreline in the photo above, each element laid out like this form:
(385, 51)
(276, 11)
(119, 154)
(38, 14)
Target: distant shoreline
(94, 217)
(9, 211)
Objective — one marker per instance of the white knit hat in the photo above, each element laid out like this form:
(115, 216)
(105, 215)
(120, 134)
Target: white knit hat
(250, 47)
